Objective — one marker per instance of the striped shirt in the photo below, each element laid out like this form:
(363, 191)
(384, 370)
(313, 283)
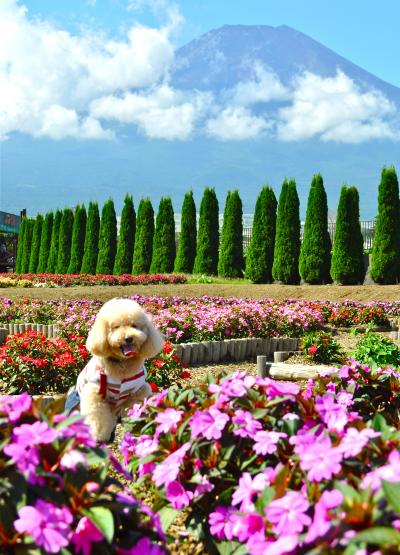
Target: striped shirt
(113, 390)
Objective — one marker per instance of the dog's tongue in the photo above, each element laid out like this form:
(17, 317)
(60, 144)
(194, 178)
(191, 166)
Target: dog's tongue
(127, 350)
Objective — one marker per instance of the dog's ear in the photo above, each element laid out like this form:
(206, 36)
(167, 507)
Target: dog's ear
(154, 342)
(96, 342)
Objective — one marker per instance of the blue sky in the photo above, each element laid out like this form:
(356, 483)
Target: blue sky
(364, 31)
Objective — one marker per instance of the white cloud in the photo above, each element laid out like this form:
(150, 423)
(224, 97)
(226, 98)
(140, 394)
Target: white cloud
(236, 123)
(161, 113)
(42, 66)
(335, 109)
(264, 87)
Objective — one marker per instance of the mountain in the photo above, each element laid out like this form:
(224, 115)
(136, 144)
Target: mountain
(40, 173)
(223, 57)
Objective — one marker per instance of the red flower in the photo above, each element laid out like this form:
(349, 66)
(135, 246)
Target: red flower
(159, 363)
(185, 374)
(153, 387)
(167, 347)
(312, 350)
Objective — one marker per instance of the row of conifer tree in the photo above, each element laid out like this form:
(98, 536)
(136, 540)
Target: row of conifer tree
(80, 242)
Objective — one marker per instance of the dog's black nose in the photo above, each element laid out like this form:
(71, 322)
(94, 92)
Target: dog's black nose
(128, 340)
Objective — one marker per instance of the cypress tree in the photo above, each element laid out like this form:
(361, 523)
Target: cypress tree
(315, 251)
(45, 242)
(385, 263)
(347, 248)
(164, 246)
(287, 240)
(206, 261)
(260, 254)
(187, 239)
(91, 245)
(231, 259)
(143, 250)
(78, 240)
(20, 245)
(37, 234)
(123, 259)
(55, 235)
(64, 241)
(27, 246)
(107, 239)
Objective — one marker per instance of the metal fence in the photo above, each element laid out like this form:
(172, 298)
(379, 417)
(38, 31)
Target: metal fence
(367, 230)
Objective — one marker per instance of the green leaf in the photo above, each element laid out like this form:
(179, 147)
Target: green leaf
(392, 493)
(231, 548)
(103, 519)
(167, 517)
(379, 535)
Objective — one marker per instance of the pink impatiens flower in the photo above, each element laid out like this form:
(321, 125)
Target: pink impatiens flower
(14, 406)
(85, 534)
(288, 513)
(322, 521)
(248, 486)
(47, 524)
(168, 470)
(320, 459)
(143, 547)
(245, 424)
(354, 441)
(168, 420)
(259, 545)
(208, 423)
(278, 389)
(72, 458)
(265, 442)
(34, 434)
(246, 526)
(177, 495)
(221, 523)
(333, 414)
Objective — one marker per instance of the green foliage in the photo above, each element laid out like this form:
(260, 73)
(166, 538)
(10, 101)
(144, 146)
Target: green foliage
(321, 348)
(45, 243)
(347, 265)
(64, 241)
(187, 238)
(78, 240)
(20, 246)
(287, 241)
(164, 246)
(375, 349)
(107, 239)
(315, 251)
(91, 245)
(385, 263)
(206, 261)
(260, 254)
(143, 250)
(231, 260)
(27, 245)
(36, 236)
(123, 259)
(55, 235)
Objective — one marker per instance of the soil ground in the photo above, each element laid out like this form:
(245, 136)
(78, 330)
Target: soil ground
(362, 293)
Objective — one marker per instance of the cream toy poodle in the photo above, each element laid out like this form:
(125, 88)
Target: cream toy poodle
(120, 340)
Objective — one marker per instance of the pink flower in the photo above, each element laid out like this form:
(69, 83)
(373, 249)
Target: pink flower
(72, 458)
(168, 470)
(177, 495)
(245, 526)
(168, 420)
(246, 424)
(247, 488)
(265, 442)
(221, 524)
(208, 423)
(288, 513)
(15, 406)
(322, 521)
(143, 547)
(320, 459)
(34, 434)
(388, 472)
(85, 534)
(203, 486)
(278, 389)
(259, 545)
(145, 445)
(334, 415)
(354, 441)
(26, 459)
(47, 524)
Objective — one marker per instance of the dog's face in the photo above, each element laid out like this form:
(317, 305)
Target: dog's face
(123, 330)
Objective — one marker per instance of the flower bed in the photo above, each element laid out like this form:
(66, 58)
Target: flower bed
(268, 469)
(73, 280)
(56, 490)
